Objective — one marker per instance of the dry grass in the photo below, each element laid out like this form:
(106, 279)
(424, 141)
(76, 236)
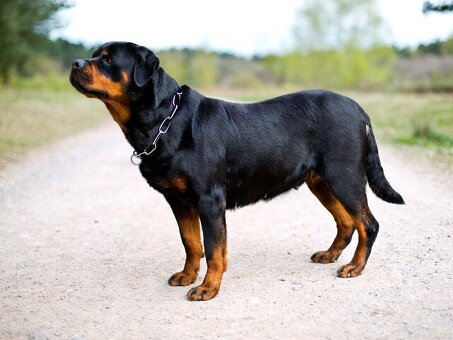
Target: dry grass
(31, 118)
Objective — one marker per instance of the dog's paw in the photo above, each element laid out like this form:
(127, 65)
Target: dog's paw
(182, 279)
(324, 257)
(202, 293)
(350, 270)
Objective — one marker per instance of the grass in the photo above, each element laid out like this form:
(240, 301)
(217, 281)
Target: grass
(31, 117)
(35, 113)
(413, 119)
(420, 124)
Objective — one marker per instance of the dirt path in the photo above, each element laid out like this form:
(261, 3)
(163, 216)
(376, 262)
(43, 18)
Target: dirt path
(86, 249)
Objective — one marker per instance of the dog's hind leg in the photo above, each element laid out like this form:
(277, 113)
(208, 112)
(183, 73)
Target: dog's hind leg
(345, 198)
(345, 223)
(367, 228)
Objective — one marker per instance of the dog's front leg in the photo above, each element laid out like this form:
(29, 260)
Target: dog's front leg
(211, 210)
(189, 228)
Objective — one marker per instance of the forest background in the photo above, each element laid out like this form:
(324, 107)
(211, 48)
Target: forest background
(333, 49)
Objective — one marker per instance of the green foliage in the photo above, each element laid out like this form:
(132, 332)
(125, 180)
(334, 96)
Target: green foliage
(24, 25)
(447, 47)
(63, 51)
(189, 66)
(444, 6)
(441, 81)
(245, 79)
(337, 25)
(338, 46)
(50, 82)
(431, 48)
(425, 132)
(335, 69)
(436, 47)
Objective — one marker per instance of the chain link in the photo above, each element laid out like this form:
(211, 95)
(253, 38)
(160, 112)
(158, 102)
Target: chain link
(136, 157)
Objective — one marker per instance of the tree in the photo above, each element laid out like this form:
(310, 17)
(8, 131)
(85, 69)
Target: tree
(24, 24)
(428, 6)
(337, 25)
(339, 44)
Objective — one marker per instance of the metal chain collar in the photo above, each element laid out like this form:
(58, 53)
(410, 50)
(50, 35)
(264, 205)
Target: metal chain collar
(136, 157)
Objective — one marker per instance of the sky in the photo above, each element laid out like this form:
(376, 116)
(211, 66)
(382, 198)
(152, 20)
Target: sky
(242, 27)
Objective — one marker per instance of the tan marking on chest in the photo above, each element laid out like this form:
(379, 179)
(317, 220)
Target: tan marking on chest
(120, 113)
(178, 183)
(118, 101)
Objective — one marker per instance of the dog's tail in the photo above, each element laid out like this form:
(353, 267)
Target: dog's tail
(376, 178)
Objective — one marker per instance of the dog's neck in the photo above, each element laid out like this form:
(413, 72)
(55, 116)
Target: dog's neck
(164, 89)
(146, 117)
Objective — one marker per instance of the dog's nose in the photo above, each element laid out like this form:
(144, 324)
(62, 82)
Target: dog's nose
(78, 63)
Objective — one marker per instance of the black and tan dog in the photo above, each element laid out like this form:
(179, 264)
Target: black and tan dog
(206, 155)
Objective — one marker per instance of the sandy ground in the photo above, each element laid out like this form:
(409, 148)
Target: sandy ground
(86, 249)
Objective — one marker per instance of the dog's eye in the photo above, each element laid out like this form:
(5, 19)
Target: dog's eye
(108, 60)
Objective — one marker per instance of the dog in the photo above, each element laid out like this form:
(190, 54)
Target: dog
(207, 155)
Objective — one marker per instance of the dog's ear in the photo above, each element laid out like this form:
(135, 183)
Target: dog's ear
(146, 65)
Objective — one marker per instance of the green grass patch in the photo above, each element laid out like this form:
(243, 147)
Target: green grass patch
(414, 119)
(34, 116)
(53, 82)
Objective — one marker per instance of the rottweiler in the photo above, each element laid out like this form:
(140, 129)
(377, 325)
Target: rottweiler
(207, 155)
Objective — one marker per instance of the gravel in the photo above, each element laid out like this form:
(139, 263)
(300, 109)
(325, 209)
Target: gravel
(86, 249)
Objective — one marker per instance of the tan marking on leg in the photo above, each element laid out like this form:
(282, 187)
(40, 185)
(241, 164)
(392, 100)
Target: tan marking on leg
(213, 279)
(345, 223)
(189, 228)
(358, 262)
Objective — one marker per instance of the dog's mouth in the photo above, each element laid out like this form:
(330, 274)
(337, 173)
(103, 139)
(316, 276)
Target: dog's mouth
(80, 80)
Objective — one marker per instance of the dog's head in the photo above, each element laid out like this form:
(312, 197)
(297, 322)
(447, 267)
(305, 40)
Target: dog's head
(117, 73)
